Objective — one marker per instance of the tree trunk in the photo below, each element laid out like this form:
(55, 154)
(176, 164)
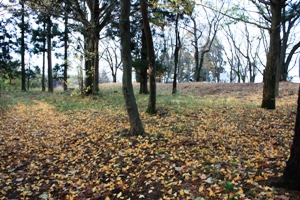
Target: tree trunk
(23, 47)
(87, 66)
(28, 80)
(151, 58)
(80, 77)
(92, 43)
(176, 52)
(143, 70)
(91, 62)
(96, 61)
(269, 89)
(49, 52)
(282, 69)
(44, 61)
(96, 67)
(196, 54)
(291, 174)
(66, 38)
(136, 127)
(231, 74)
(200, 76)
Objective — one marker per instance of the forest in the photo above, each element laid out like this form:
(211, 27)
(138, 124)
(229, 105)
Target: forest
(175, 99)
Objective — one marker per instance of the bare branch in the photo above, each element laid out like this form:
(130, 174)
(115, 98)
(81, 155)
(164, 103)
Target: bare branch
(235, 18)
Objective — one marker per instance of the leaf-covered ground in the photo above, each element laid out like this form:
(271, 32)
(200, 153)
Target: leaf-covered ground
(211, 141)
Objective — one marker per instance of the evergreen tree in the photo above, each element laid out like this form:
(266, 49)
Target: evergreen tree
(9, 67)
(39, 41)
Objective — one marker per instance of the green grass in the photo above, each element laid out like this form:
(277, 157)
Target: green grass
(112, 99)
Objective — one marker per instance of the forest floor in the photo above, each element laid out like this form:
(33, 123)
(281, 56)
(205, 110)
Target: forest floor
(210, 141)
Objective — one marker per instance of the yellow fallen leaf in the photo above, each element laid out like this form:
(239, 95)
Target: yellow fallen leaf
(181, 192)
(241, 191)
(201, 188)
(258, 178)
(237, 177)
(170, 191)
(269, 194)
(107, 198)
(250, 181)
(148, 175)
(211, 193)
(214, 160)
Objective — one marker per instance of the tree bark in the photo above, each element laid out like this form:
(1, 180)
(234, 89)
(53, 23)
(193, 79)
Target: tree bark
(91, 62)
(44, 60)
(49, 52)
(143, 70)
(66, 38)
(269, 89)
(23, 47)
(291, 174)
(136, 127)
(196, 54)
(200, 75)
(176, 52)
(151, 58)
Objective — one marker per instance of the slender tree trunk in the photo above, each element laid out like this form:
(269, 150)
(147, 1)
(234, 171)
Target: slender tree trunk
(136, 127)
(151, 58)
(28, 79)
(87, 65)
(176, 53)
(269, 89)
(291, 174)
(143, 70)
(80, 77)
(197, 69)
(96, 38)
(66, 38)
(250, 71)
(23, 47)
(49, 52)
(196, 54)
(44, 61)
(96, 68)
(231, 74)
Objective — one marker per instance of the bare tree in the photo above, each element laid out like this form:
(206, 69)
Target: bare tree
(111, 54)
(167, 55)
(290, 20)
(213, 25)
(237, 68)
